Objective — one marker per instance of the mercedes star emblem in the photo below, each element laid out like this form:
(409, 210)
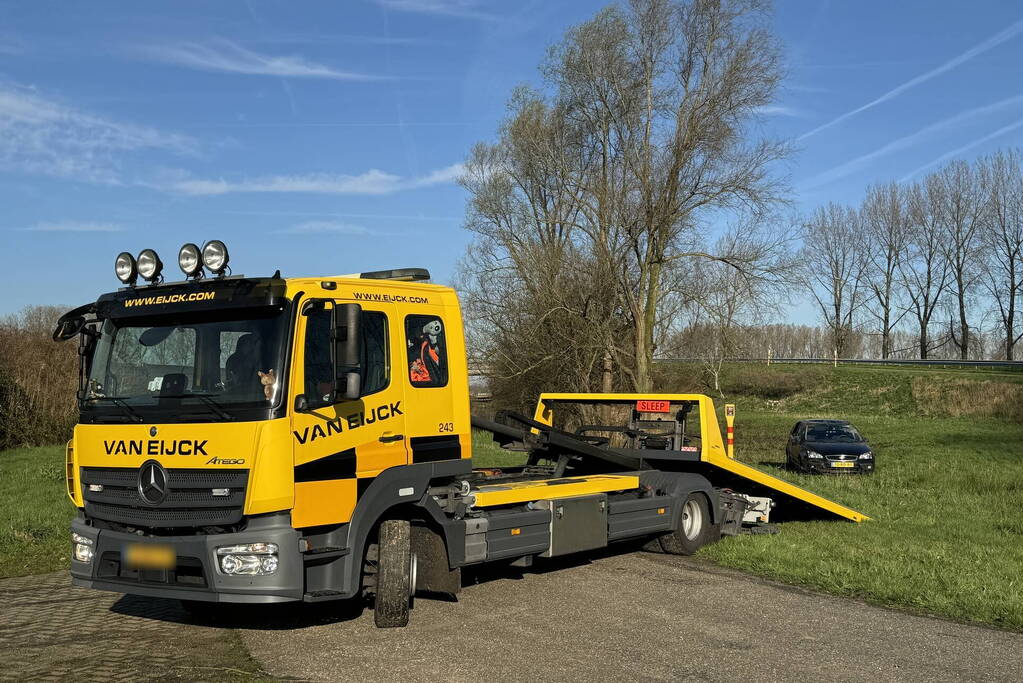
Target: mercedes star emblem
(152, 482)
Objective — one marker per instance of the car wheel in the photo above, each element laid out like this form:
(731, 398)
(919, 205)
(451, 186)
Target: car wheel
(694, 528)
(395, 580)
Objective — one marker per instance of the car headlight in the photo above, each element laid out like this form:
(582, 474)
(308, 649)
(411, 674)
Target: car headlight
(81, 548)
(866, 456)
(814, 455)
(248, 559)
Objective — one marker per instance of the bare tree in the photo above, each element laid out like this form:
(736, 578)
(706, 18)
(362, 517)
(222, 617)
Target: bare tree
(924, 270)
(884, 223)
(832, 269)
(1002, 240)
(651, 112)
(960, 208)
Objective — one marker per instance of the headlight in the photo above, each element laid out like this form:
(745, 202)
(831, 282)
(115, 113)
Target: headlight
(214, 256)
(149, 265)
(814, 455)
(124, 268)
(866, 456)
(248, 559)
(190, 260)
(81, 547)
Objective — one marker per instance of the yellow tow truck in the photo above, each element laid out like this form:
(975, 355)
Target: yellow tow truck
(264, 440)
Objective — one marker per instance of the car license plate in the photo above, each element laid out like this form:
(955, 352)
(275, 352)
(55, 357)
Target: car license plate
(149, 556)
(843, 464)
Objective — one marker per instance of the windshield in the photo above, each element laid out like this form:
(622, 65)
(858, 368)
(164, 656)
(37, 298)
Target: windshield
(832, 432)
(188, 369)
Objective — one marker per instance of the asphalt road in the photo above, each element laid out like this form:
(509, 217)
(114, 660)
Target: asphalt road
(633, 616)
(640, 616)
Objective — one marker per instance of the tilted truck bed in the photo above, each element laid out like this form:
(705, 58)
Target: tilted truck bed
(712, 459)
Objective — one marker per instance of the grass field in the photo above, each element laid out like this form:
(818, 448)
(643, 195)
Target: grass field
(947, 501)
(35, 512)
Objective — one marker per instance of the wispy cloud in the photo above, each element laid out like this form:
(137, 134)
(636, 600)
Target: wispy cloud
(45, 137)
(74, 226)
(975, 51)
(778, 110)
(321, 227)
(469, 9)
(372, 182)
(965, 148)
(909, 140)
(227, 57)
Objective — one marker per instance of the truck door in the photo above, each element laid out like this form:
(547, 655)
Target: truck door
(341, 445)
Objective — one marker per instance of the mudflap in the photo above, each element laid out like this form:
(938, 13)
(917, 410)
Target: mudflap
(433, 575)
(732, 508)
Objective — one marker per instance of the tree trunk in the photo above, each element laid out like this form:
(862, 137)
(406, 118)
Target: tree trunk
(964, 331)
(923, 340)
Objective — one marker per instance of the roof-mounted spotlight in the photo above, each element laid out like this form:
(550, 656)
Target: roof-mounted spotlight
(215, 257)
(149, 265)
(125, 268)
(190, 261)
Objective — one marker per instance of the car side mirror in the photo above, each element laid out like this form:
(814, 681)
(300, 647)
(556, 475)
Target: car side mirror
(347, 339)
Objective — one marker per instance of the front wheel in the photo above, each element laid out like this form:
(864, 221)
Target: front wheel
(694, 528)
(395, 580)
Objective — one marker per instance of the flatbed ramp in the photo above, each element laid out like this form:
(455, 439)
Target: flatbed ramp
(781, 486)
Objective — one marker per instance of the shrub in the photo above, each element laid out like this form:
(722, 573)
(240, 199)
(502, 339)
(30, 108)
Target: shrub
(961, 397)
(38, 379)
(766, 383)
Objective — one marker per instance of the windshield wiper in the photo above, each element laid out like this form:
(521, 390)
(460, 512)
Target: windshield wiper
(208, 400)
(119, 402)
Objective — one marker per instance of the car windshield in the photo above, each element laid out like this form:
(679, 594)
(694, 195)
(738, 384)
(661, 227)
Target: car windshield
(832, 432)
(200, 365)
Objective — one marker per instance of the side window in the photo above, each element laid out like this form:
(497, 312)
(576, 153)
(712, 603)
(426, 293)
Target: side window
(319, 365)
(376, 372)
(427, 351)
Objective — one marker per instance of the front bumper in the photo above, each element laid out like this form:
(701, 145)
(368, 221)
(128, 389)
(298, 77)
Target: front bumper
(196, 574)
(827, 467)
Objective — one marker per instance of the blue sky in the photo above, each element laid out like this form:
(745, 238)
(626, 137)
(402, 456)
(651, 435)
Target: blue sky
(324, 137)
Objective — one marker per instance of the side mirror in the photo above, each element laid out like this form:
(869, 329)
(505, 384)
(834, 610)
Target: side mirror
(68, 328)
(347, 340)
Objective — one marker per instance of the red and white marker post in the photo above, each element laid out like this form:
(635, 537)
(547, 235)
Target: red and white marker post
(730, 421)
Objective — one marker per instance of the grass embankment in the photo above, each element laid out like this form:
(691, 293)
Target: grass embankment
(947, 500)
(35, 512)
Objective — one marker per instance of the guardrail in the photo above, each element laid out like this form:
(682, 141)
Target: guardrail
(863, 361)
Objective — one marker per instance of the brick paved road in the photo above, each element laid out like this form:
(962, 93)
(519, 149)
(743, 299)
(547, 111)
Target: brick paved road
(50, 631)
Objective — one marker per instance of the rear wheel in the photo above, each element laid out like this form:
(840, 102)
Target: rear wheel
(694, 528)
(395, 579)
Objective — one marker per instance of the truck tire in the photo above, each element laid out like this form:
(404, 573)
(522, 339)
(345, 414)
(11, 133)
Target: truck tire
(694, 528)
(394, 581)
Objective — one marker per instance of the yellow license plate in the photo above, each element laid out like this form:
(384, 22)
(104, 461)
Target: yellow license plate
(843, 464)
(149, 556)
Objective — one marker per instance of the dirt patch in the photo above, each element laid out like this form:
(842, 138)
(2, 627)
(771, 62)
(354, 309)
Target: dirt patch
(963, 397)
